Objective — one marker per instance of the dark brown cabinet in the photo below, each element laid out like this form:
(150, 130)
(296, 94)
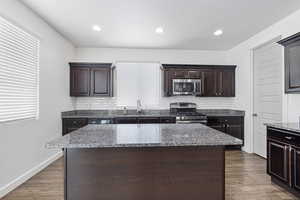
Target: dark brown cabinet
(216, 81)
(292, 63)
(144, 120)
(126, 120)
(232, 125)
(226, 83)
(101, 81)
(283, 158)
(79, 81)
(91, 79)
(278, 162)
(296, 166)
(209, 83)
(72, 124)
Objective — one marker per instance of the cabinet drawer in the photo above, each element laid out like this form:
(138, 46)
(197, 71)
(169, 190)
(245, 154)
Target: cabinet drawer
(78, 122)
(214, 121)
(167, 120)
(148, 120)
(100, 121)
(126, 120)
(283, 136)
(232, 120)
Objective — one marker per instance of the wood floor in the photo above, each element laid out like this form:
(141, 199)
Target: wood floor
(246, 179)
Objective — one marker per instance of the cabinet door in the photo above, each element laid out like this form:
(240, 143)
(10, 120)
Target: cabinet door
(73, 124)
(292, 67)
(234, 130)
(296, 168)
(168, 83)
(278, 160)
(235, 126)
(226, 83)
(79, 81)
(209, 83)
(101, 82)
(216, 123)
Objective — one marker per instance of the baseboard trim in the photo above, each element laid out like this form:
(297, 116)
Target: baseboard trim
(27, 175)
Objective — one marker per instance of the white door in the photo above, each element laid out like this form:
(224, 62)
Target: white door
(268, 91)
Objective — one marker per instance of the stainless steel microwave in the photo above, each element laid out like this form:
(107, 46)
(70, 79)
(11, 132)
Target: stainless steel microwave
(186, 87)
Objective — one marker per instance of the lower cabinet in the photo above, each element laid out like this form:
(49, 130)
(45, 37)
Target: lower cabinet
(144, 120)
(232, 125)
(296, 171)
(72, 124)
(278, 160)
(283, 158)
(126, 120)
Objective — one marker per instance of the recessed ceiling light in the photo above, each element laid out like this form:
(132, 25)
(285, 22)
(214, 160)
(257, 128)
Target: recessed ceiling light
(159, 30)
(96, 28)
(218, 32)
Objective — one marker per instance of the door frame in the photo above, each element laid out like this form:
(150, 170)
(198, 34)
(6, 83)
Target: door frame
(284, 97)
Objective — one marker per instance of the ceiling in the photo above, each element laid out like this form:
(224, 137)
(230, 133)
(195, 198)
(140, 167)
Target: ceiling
(187, 24)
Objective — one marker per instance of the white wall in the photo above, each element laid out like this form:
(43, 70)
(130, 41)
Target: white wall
(151, 55)
(22, 143)
(242, 56)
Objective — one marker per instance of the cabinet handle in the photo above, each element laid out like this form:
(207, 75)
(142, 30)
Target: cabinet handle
(288, 137)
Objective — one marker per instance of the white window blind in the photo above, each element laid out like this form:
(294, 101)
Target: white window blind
(19, 73)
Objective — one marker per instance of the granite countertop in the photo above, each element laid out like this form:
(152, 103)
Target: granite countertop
(286, 126)
(143, 135)
(145, 113)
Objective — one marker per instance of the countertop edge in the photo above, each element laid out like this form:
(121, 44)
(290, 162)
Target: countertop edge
(94, 114)
(284, 126)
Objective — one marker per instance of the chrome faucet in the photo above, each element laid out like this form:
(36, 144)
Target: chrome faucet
(139, 106)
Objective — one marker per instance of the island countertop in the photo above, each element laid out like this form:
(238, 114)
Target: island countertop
(143, 135)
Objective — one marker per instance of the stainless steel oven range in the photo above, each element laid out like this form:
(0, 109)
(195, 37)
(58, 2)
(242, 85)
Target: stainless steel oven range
(187, 113)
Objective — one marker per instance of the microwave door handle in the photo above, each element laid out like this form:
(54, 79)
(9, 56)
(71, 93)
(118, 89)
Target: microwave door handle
(202, 87)
(174, 87)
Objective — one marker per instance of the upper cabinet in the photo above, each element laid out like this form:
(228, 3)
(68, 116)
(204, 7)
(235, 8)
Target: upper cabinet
(79, 81)
(91, 79)
(216, 81)
(292, 63)
(226, 82)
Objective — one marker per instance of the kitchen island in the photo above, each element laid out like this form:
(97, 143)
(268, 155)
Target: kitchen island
(144, 161)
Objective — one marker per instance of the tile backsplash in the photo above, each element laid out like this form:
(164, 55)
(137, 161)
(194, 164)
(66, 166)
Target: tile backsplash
(97, 103)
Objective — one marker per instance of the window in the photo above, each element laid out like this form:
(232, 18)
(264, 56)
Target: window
(19, 73)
